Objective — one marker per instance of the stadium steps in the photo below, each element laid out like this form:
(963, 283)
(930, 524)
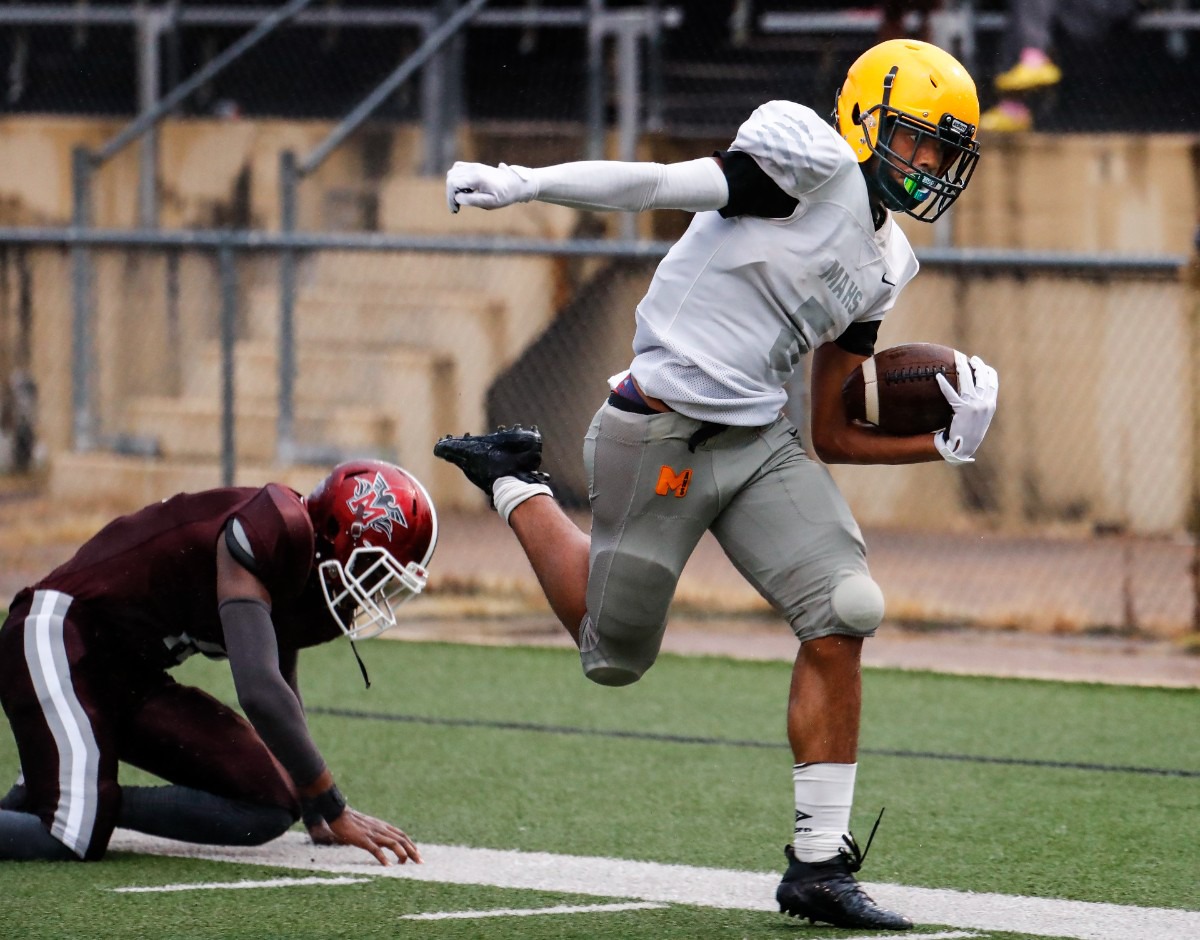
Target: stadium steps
(391, 403)
(190, 428)
(393, 350)
(527, 287)
(125, 482)
(469, 328)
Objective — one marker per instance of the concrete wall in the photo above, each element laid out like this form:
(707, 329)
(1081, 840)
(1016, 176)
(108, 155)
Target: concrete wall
(1134, 194)
(1095, 425)
(1103, 192)
(210, 172)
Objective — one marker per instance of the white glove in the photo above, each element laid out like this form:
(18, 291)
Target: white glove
(487, 187)
(973, 404)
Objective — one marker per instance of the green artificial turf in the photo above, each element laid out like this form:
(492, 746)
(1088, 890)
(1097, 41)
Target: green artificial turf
(1016, 787)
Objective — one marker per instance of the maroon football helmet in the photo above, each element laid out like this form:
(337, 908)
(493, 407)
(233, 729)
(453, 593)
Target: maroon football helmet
(376, 529)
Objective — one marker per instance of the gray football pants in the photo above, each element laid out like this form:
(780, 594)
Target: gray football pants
(776, 513)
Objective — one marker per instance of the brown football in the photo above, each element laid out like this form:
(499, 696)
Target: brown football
(897, 391)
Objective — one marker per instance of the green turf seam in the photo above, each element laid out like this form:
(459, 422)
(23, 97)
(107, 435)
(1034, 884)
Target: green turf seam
(735, 742)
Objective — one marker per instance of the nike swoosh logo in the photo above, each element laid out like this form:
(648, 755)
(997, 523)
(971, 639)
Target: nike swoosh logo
(887, 282)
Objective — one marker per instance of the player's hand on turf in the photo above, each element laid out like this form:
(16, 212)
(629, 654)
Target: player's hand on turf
(485, 187)
(973, 404)
(374, 836)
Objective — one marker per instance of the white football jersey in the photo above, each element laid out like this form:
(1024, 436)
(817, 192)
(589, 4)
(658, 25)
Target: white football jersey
(736, 302)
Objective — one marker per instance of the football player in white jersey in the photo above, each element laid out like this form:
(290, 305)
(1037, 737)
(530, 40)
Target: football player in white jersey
(792, 250)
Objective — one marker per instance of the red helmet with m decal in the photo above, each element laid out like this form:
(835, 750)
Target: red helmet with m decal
(376, 529)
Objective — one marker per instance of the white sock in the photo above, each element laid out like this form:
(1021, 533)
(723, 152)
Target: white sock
(824, 795)
(508, 493)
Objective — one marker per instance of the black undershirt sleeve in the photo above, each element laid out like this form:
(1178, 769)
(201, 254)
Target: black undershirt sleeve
(751, 191)
(263, 693)
(859, 338)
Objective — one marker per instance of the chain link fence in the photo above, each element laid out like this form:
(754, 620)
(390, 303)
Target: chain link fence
(214, 347)
(1076, 516)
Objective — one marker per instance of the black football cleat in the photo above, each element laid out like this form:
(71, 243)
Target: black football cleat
(506, 452)
(829, 893)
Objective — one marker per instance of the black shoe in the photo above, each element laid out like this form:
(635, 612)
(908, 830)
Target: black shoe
(506, 452)
(828, 892)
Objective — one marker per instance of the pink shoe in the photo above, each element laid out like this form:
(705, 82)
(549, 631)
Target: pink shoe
(1008, 117)
(1034, 70)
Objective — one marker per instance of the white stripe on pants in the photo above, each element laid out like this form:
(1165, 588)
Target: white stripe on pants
(78, 753)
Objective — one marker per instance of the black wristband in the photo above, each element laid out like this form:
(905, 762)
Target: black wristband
(328, 805)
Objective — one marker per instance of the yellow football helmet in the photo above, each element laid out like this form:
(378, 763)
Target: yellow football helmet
(915, 86)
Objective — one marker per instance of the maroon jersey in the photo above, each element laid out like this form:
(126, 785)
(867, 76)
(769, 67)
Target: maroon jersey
(145, 584)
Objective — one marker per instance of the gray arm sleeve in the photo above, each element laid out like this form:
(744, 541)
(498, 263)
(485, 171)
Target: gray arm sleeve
(263, 693)
(694, 185)
(288, 662)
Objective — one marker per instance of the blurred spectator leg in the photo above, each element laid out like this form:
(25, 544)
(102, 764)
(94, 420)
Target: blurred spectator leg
(1027, 44)
(895, 13)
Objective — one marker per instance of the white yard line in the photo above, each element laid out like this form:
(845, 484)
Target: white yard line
(211, 885)
(536, 911)
(703, 887)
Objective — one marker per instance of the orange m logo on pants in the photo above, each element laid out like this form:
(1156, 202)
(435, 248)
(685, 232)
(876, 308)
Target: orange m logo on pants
(669, 480)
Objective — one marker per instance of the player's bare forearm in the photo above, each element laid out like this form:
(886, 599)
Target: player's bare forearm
(835, 438)
(863, 444)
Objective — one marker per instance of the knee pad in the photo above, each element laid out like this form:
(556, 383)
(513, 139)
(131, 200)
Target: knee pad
(615, 662)
(857, 604)
(621, 635)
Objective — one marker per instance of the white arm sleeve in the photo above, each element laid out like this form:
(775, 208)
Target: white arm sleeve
(694, 185)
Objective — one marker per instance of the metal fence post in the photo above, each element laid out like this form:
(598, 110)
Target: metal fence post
(595, 80)
(82, 380)
(442, 94)
(1190, 275)
(285, 444)
(434, 79)
(655, 90)
(629, 103)
(174, 325)
(228, 277)
(150, 26)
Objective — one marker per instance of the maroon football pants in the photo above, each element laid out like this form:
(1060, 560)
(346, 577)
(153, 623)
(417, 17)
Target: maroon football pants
(77, 711)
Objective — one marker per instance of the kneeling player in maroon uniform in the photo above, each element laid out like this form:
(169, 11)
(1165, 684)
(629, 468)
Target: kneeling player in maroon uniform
(252, 575)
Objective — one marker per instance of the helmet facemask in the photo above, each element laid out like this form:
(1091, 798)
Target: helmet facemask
(364, 593)
(902, 186)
